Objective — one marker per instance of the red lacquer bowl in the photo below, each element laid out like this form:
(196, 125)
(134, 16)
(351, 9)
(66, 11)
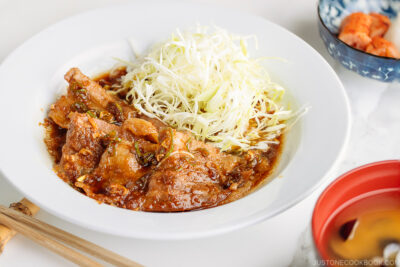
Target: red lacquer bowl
(364, 179)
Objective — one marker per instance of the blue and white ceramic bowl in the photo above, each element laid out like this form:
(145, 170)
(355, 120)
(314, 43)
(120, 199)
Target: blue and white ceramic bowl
(331, 13)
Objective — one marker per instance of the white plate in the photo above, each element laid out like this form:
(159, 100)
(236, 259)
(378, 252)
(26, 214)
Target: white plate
(32, 77)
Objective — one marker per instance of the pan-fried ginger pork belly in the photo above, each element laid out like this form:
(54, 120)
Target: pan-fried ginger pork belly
(183, 183)
(114, 154)
(117, 169)
(187, 178)
(86, 95)
(120, 164)
(83, 148)
(142, 128)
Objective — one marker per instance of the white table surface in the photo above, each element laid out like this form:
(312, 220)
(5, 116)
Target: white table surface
(375, 136)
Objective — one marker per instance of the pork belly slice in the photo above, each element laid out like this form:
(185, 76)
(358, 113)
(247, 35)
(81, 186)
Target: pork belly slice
(190, 174)
(126, 158)
(60, 109)
(83, 148)
(119, 164)
(141, 128)
(182, 183)
(85, 94)
(115, 175)
(97, 97)
(185, 142)
(118, 178)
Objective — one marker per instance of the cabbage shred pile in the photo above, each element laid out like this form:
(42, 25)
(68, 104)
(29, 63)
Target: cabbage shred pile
(204, 82)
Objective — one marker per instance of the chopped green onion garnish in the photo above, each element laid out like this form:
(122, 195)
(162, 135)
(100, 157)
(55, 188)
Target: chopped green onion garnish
(91, 114)
(187, 143)
(137, 149)
(118, 106)
(171, 147)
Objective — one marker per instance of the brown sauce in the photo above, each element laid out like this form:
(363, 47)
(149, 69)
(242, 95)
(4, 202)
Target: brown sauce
(110, 152)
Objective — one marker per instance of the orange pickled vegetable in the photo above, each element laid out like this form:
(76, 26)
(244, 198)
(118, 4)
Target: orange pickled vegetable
(355, 30)
(379, 26)
(381, 47)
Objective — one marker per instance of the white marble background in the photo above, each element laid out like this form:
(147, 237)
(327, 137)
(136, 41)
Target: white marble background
(375, 136)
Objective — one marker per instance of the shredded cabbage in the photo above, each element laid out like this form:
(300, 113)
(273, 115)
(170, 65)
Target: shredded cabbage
(205, 82)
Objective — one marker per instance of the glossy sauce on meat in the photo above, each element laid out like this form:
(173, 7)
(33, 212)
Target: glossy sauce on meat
(107, 150)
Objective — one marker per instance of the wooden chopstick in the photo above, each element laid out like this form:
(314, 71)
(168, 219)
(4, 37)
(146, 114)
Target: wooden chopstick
(69, 239)
(24, 206)
(49, 243)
